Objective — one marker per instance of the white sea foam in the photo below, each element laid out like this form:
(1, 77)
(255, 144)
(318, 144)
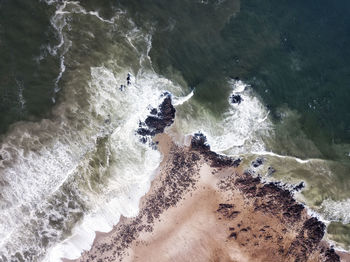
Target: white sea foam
(299, 160)
(49, 173)
(59, 23)
(134, 162)
(238, 130)
(336, 210)
(41, 157)
(180, 100)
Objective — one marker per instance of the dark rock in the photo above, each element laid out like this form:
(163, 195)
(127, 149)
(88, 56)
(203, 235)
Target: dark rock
(108, 120)
(258, 162)
(143, 132)
(315, 229)
(199, 143)
(331, 256)
(156, 124)
(128, 79)
(195, 157)
(270, 197)
(159, 120)
(270, 171)
(233, 235)
(143, 140)
(299, 187)
(167, 111)
(237, 162)
(166, 93)
(248, 184)
(293, 211)
(307, 240)
(236, 99)
(154, 111)
(224, 206)
(227, 210)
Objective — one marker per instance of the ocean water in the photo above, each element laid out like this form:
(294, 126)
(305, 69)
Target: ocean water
(70, 160)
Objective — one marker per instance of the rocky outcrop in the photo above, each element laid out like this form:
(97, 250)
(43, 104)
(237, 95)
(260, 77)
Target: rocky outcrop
(179, 179)
(199, 143)
(263, 219)
(158, 119)
(330, 255)
(236, 99)
(258, 162)
(307, 240)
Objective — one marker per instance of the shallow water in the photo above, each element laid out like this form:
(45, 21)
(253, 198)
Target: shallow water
(74, 164)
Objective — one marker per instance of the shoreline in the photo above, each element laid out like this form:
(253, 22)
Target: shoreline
(202, 207)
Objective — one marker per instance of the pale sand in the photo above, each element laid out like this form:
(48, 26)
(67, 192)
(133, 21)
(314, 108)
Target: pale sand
(197, 212)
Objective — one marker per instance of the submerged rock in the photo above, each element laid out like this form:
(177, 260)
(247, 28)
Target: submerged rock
(258, 162)
(236, 99)
(270, 171)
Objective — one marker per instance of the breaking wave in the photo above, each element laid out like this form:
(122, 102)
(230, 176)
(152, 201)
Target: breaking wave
(240, 129)
(66, 177)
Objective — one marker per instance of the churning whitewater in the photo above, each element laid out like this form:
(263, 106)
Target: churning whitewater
(66, 177)
(241, 129)
(76, 172)
(85, 165)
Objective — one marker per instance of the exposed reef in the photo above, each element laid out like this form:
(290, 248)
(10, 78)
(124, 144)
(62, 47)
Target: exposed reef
(202, 206)
(158, 119)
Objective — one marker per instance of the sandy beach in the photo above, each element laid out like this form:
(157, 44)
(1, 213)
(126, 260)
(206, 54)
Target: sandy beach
(204, 207)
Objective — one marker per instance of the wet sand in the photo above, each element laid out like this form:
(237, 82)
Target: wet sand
(204, 207)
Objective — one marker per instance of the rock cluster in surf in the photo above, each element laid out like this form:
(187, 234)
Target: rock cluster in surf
(181, 175)
(199, 143)
(158, 119)
(236, 99)
(270, 198)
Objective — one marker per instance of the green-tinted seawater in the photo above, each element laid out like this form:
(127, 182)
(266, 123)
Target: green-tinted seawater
(27, 69)
(293, 54)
